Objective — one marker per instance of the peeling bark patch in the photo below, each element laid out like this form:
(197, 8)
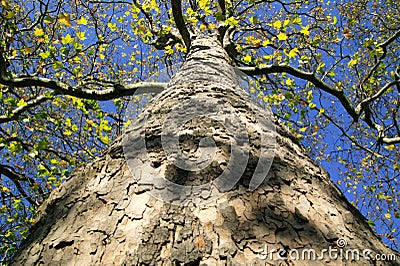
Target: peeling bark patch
(177, 235)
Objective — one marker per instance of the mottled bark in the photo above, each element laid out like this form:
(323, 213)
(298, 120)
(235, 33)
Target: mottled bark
(103, 216)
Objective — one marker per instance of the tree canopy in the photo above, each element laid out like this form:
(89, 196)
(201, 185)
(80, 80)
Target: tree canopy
(328, 69)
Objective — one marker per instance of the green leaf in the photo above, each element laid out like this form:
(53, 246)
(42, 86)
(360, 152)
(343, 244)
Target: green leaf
(42, 144)
(44, 55)
(231, 21)
(253, 20)
(65, 19)
(57, 65)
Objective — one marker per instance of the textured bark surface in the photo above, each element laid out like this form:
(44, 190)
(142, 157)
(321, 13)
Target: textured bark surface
(102, 216)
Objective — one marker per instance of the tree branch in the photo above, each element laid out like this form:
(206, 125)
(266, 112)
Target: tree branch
(386, 43)
(180, 23)
(339, 94)
(222, 6)
(360, 107)
(60, 88)
(391, 140)
(16, 178)
(19, 110)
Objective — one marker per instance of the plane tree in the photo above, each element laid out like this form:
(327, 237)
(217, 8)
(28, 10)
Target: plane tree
(68, 69)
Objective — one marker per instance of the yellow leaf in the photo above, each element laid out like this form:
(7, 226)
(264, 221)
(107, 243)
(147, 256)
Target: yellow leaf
(104, 139)
(127, 123)
(82, 21)
(68, 122)
(266, 43)
(38, 32)
(286, 22)
(247, 58)
(277, 24)
(65, 19)
(101, 56)
(305, 30)
(292, 53)
(297, 21)
(81, 36)
(289, 82)
(68, 132)
(168, 49)
(112, 26)
(303, 129)
(282, 36)
(5, 189)
(352, 62)
(153, 5)
(390, 147)
(21, 103)
(67, 39)
(388, 216)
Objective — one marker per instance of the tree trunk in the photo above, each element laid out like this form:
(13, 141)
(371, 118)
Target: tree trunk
(117, 210)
